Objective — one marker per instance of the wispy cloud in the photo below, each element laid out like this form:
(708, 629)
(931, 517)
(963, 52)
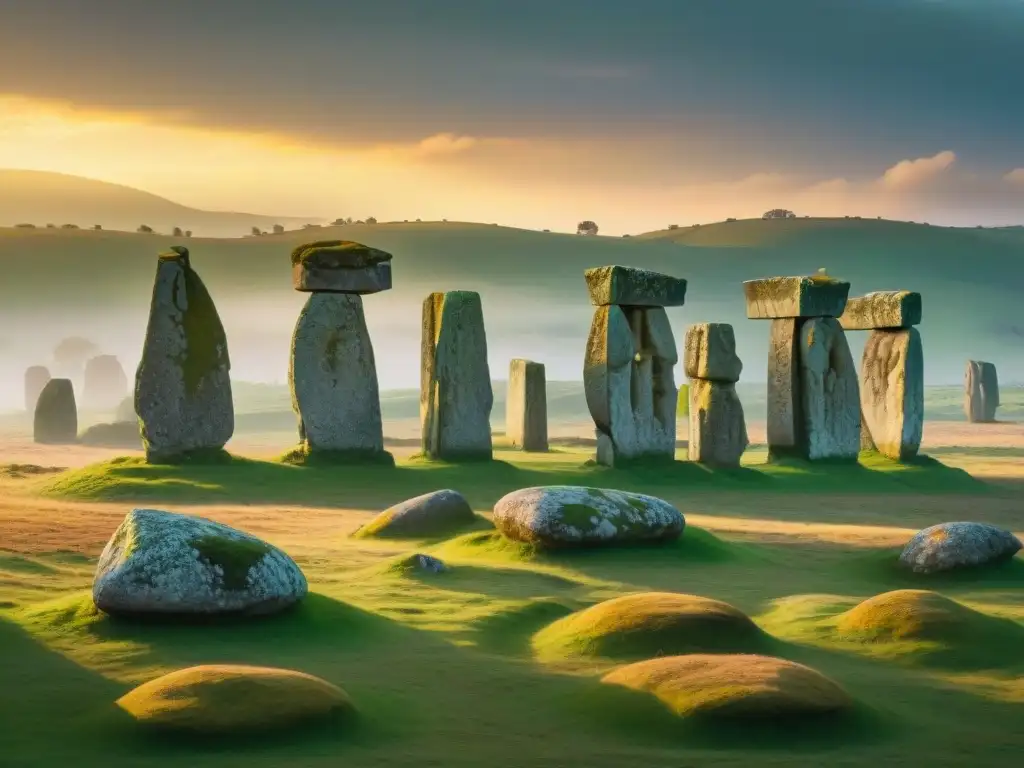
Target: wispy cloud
(910, 173)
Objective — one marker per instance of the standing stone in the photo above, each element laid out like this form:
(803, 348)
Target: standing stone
(105, 383)
(183, 385)
(56, 414)
(36, 377)
(526, 407)
(333, 377)
(829, 392)
(455, 382)
(892, 393)
(785, 416)
(629, 384)
(718, 430)
(981, 392)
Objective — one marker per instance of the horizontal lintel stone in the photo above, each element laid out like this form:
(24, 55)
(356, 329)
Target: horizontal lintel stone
(630, 286)
(774, 298)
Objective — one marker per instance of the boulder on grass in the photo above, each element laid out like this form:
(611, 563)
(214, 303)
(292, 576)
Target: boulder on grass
(955, 546)
(227, 699)
(56, 415)
(164, 563)
(432, 514)
(557, 516)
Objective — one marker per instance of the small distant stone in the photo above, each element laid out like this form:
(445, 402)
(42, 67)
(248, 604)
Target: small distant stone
(161, 562)
(429, 564)
(56, 414)
(431, 514)
(882, 309)
(565, 516)
(955, 546)
(778, 297)
(634, 287)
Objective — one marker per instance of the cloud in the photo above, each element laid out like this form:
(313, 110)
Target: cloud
(1016, 176)
(910, 173)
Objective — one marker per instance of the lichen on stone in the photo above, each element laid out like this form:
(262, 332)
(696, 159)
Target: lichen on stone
(338, 254)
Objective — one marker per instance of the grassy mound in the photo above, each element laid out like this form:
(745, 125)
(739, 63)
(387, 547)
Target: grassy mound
(219, 700)
(303, 456)
(733, 686)
(649, 624)
(118, 434)
(911, 614)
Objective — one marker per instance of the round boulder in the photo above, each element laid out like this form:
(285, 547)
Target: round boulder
(649, 624)
(217, 700)
(564, 516)
(164, 563)
(733, 686)
(954, 546)
(56, 415)
(432, 514)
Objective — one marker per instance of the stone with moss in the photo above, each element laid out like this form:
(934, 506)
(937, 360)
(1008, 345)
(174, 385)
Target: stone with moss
(332, 374)
(166, 563)
(829, 393)
(892, 393)
(455, 382)
(433, 514)
(630, 286)
(777, 297)
(710, 353)
(718, 429)
(55, 420)
(882, 309)
(340, 266)
(981, 392)
(958, 546)
(561, 516)
(183, 383)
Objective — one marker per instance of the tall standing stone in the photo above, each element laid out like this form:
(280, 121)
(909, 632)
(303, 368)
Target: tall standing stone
(627, 373)
(56, 414)
(36, 377)
(891, 371)
(718, 430)
(183, 383)
(981, 391)
(105, 383)
(332, 371)
(526, 407)
(455, 382)
(813, 400)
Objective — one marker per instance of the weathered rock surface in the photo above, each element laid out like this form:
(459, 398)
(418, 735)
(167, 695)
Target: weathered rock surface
(428, 564)
(183, 383)
(952, 546)
(232, 700)
(785, 410)
(432, 514)
(56, 414)
(981, 391)
(882, 309)
(340, 266)
(566, 516)
(164, 563)
(892, 393)
(718, 431)
(36, 377)
(629, 385)
(455, 381)
(526, 406)
(333, 377)
(710, 353)
(777, 297)
(105, 382)
(629, 286)
(829, 390)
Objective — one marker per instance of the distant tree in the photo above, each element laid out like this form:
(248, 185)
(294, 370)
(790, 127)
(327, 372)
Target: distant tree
(188, 233)
(371, 220)
(278, 229)
(97, 227)
(256, 231)
(417, 219)
(627, 235)
(51, 226)
(311, 226)
(445, 220)
(547, 230)
(25, 226)
(778, 213)
(69, 226)
(71, 353)
(586, 228)
(730, 219)
(145, 229)
(348, 220)
(339, 222)
(673, 226)
(177, 232)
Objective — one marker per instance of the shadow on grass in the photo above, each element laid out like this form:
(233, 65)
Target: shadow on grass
(881, 567)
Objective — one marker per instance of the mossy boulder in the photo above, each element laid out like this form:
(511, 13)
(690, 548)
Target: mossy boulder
(649, 624)
(340, 266)
(165, 563)
(631, 286)
(433, 514)
(956, 546)
(566, 516)
(733, 687)
(224, 699)
(56, 415)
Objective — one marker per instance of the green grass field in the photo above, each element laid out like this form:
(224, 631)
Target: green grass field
(449, 669)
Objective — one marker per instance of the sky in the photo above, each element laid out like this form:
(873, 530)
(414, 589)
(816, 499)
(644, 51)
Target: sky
(535, 114)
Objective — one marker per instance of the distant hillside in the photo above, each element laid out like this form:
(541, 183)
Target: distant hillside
(99, 284)
(40, 198)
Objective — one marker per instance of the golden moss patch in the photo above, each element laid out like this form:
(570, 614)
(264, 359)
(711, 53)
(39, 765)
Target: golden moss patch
(223, 699)
(733, 686)
(649, 624)
(909, 614)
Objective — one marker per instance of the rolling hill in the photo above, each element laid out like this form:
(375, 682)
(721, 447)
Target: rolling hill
(41, 198)
(98, 284)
